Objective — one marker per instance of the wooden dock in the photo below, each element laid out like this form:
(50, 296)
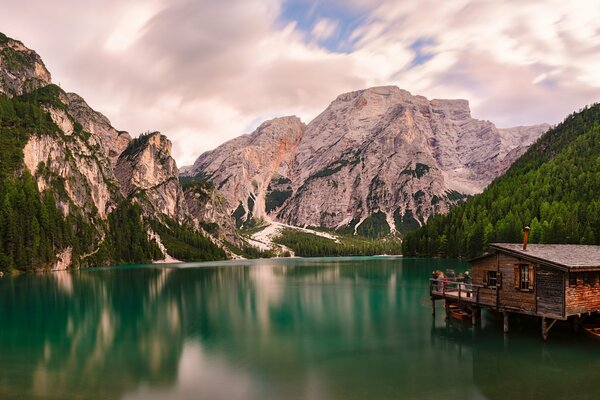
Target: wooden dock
(550, 282)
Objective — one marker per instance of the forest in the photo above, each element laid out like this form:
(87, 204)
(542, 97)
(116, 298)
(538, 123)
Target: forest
(33, 229)
(310, 245)
(554, 188)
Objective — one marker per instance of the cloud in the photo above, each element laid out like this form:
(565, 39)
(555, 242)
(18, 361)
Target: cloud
(324, 29)
(203, 71)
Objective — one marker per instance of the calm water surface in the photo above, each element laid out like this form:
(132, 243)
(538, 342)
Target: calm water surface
(353, 328)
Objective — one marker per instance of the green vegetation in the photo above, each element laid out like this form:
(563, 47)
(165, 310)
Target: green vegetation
(250, 252)
(405, 222)
(309, 245)
(48, 95)
(127, 241)
(349, 157)
(31, 227)
(238, 215)
(137, 144)
(278, 191)
(418, 172)
(276, 198)
(19, 119)
(554, 187)
(374, 226)
(186, 245)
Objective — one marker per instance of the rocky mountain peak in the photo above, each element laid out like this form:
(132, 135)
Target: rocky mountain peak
(112, 142)
(380, 158)
(21, 69)
(457, 109)
(148, 163)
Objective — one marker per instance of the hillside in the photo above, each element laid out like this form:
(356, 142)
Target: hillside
(77, 192)
(554, 188)
(375, 162)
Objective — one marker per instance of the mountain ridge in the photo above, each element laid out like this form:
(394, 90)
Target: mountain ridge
(346, 166)
(94, 195)
(553, 188)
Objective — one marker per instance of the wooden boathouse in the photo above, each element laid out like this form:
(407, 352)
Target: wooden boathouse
(550, 281)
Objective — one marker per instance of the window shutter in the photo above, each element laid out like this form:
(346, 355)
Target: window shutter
(485, 278)
(531, 277)
(517, 271)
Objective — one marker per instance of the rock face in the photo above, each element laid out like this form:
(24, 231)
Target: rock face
(243, 168)
(21, 69)
(90, 167)
(148, 174)
(210, 209)
(110, 141)
(378, 158)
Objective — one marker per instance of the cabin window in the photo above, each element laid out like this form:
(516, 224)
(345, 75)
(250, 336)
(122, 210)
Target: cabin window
(524, 277)
(492, 279)
(572, 280)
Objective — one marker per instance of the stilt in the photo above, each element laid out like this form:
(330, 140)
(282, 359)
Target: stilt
(546, 327)
(474, 315)
(433, 307)
(576, 323)
(447, 306)
(506, 323)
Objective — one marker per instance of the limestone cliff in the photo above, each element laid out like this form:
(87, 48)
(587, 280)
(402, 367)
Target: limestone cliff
(210, 209)
(21, 69)
(243, 168)
(379, 155)
(148, 175)
(95, 175)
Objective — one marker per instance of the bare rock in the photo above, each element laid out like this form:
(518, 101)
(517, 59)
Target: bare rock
(377, 153)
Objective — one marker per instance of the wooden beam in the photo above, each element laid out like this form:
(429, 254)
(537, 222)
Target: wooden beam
(546, 327)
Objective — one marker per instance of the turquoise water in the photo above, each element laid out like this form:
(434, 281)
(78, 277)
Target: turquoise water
(353, 328)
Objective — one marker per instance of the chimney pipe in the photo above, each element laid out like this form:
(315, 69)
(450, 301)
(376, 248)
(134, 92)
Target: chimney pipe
(525, 237)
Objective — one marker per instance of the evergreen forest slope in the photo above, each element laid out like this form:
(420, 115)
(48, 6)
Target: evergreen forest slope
(554, 188)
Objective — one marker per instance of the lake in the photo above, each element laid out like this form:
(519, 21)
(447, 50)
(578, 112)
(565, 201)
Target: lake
(329, 328)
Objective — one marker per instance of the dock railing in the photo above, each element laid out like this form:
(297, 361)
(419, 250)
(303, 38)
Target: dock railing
(454, 289)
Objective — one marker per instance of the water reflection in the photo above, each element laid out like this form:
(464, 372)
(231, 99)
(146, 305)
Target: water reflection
(293, 329)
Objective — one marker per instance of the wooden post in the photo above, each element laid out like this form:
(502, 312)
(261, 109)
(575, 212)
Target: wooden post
(506, 323)
(433, 306)
(474, 315)
(447, 306)
(546, 327)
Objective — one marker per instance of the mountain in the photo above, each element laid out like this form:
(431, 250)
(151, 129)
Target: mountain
(554, 188)
(375, 161)
(77, 192)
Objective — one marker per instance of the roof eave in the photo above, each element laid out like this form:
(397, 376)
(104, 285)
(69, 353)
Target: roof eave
(520, 254)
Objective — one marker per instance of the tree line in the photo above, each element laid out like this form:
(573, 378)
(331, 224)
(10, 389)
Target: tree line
(554, 188)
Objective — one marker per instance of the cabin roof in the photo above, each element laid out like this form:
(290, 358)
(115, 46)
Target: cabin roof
(571, 256)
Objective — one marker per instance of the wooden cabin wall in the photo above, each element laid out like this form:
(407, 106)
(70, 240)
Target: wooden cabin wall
(550, 291)
(480, 268)
(582, 298)
(509, 296)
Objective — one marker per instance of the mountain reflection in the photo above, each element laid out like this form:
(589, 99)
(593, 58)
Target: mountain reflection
(275, 329)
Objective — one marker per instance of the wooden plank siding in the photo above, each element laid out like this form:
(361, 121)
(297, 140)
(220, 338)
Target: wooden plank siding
(480, 268)
(550, 292)
(509, 296)
(546, 290)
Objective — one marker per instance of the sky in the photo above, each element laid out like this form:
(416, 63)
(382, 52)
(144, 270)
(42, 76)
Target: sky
(205, 71)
